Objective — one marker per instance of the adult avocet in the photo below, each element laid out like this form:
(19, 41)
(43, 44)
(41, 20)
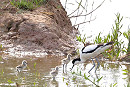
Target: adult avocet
(22, 66)
(91, 51)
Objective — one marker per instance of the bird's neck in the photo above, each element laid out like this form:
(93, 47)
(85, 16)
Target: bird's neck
(68, 58)
(24, 64)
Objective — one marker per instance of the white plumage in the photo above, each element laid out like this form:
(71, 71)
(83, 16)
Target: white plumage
(91, 51)
(22, 66)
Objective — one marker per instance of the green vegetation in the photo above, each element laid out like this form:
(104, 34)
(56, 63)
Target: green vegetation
(119, 44)
(113, 85)
(1, 47)
(78, 76)
(2, 72)
(35, 65)
(1, 58)
(85, 77)
(129, 41)
(27, 4)
(83, 40)
(125, 72)
(10, 81)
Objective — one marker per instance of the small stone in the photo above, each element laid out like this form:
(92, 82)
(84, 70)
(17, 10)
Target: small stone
(12, 34)
(5, 37)
(14, 37)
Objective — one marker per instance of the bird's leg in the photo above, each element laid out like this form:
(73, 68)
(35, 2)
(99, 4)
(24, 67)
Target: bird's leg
(53, 77)
(93, 66)
(66, 68)
(98, 64)
(18, 70)
(63, 68)
(97, 76)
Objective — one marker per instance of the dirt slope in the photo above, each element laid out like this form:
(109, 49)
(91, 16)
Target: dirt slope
(46, 30)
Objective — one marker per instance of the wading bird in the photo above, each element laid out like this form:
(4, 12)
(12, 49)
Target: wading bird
(91, 51)
(54, 72)
(22, 66)
(66, 61)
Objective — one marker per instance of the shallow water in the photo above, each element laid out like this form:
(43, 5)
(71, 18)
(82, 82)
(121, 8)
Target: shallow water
(37, 74)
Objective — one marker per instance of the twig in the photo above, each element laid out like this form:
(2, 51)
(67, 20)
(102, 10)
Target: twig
(75, 10)
(92, 9)
(84, 22)
(7, 5)
(82, 7)
(89, 12)
(86, 8)
(78, 10)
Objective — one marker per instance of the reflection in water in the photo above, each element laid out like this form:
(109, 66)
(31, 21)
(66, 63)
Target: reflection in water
(53, 83)
(38, 73)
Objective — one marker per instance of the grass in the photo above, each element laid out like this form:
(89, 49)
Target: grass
(83, 39)
(85, 77)
(79, 74)
(113, 85)
(2, 72)
(125, 72)
(10, 82)
(1, 47)
(35, 65)
(27, 4)
(128, 34)
(119, 45)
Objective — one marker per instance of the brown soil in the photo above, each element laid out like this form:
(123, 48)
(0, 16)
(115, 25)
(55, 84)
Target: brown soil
(47, 29)
(125, 58)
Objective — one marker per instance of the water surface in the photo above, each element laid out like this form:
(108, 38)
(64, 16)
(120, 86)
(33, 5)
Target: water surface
(37, 74)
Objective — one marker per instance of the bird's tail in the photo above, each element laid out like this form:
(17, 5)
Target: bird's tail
(108, 43)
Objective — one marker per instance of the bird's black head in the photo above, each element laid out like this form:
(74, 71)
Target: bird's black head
(75, 61)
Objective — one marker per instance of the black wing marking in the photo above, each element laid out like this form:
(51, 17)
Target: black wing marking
(19, 66)
(91, 51)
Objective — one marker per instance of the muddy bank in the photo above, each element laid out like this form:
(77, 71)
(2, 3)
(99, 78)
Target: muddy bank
(125, 58)
(45, 30)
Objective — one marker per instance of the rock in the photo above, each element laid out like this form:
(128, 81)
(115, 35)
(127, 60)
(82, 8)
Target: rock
(5, 37)
(14, 37)
(12, 33)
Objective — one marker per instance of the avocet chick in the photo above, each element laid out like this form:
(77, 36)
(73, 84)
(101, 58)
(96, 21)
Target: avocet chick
(66, 61)
(22, 66)
(54, 72)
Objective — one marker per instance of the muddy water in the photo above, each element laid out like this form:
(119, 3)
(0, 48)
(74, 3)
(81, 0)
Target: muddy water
(37, 74)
